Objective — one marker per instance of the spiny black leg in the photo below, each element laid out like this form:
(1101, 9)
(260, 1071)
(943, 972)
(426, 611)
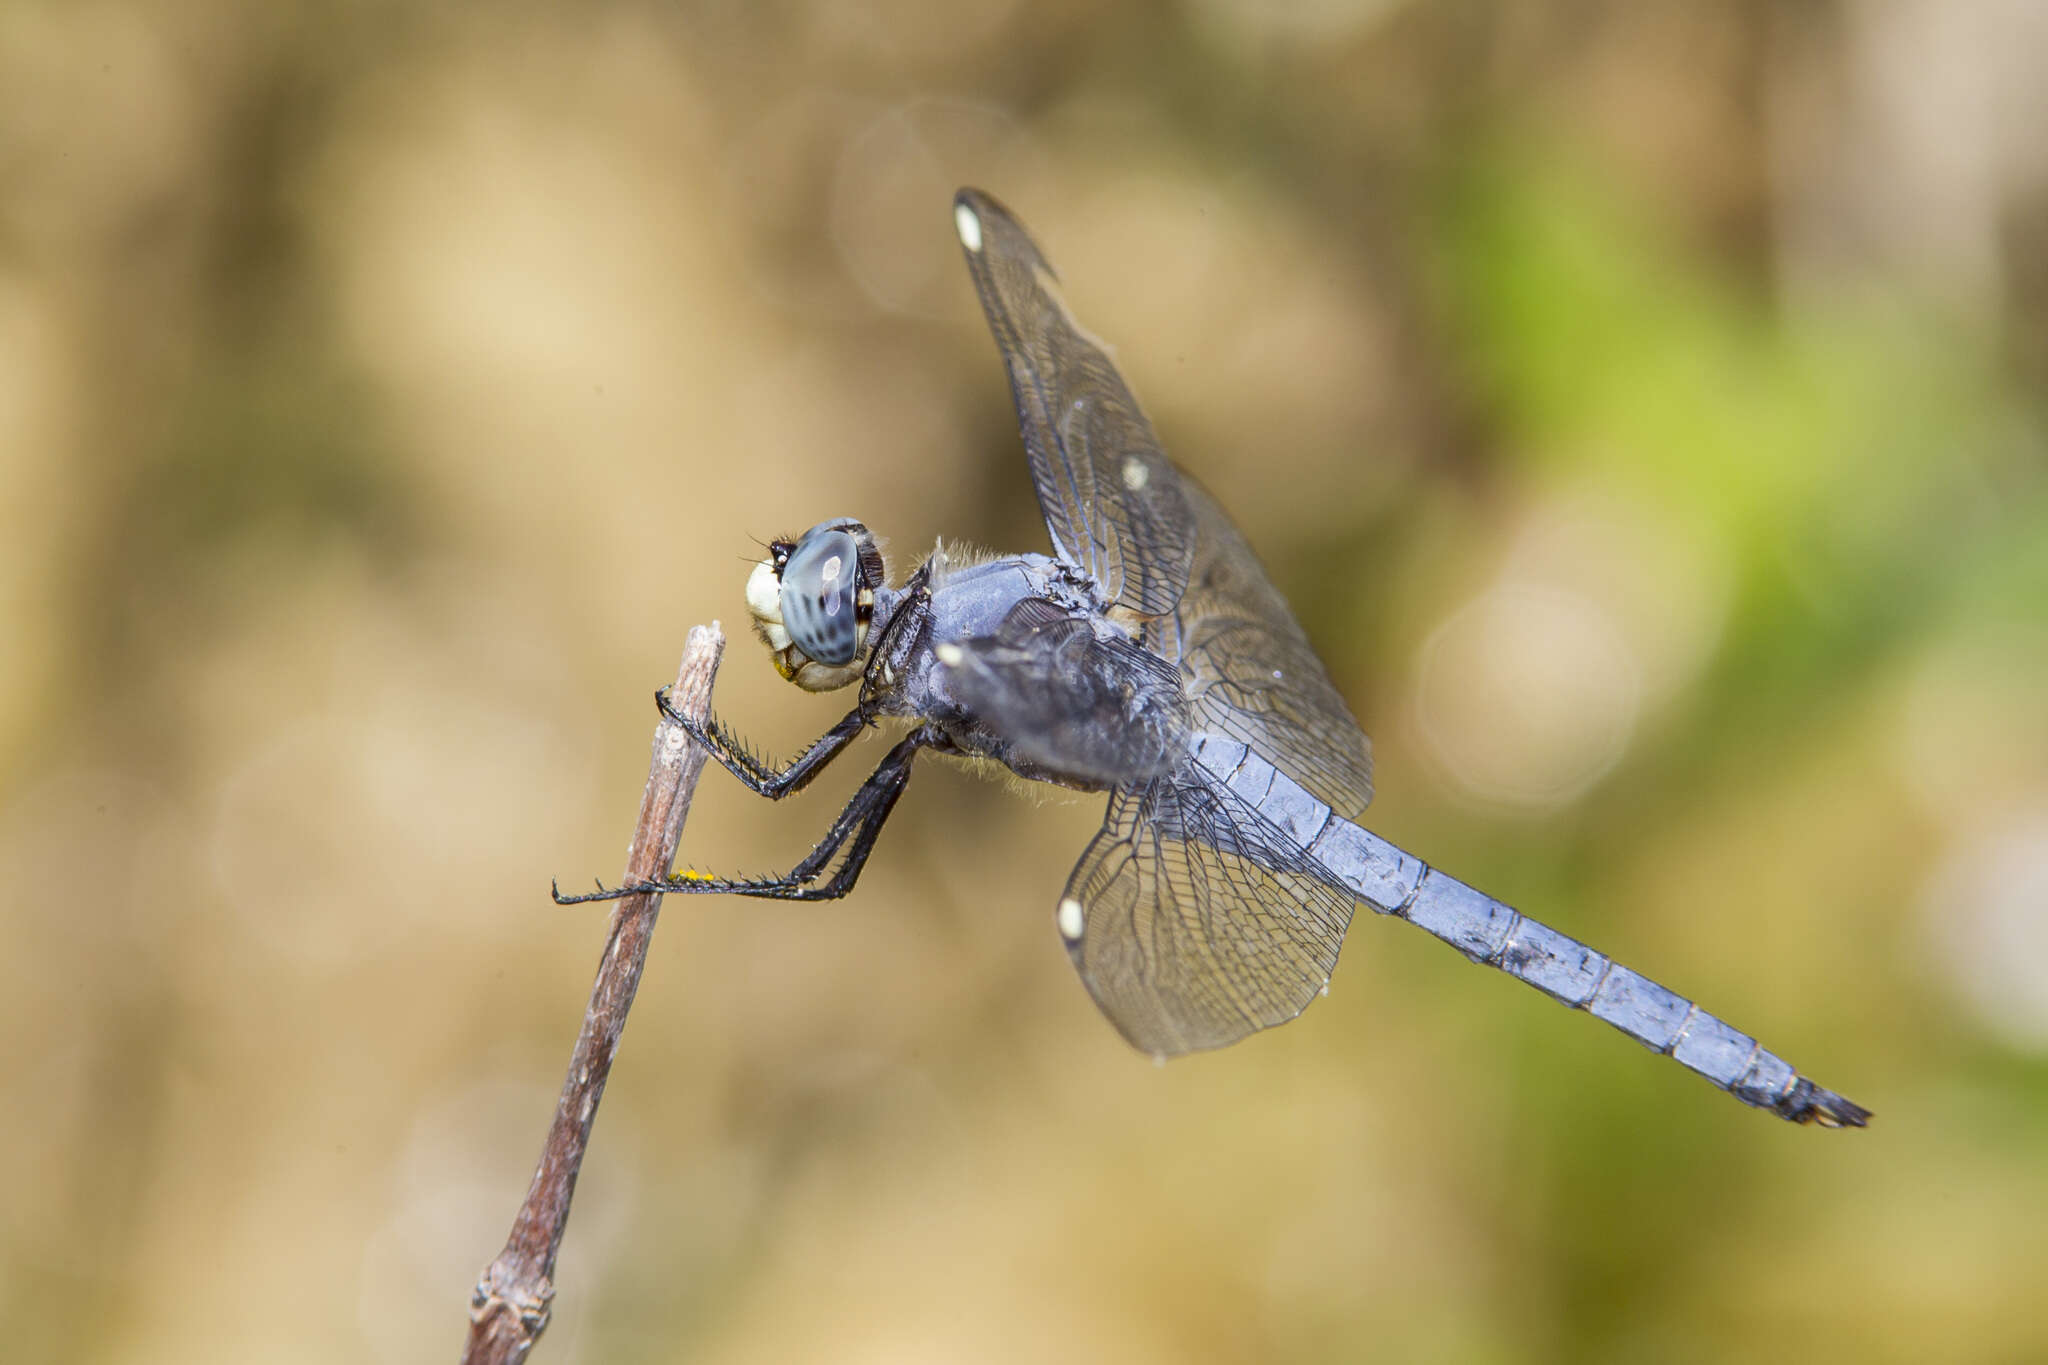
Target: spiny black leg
(758, 774)
(864, 827)
(855, 829)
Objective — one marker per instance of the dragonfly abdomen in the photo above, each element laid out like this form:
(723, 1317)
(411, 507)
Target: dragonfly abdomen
(1398, 884)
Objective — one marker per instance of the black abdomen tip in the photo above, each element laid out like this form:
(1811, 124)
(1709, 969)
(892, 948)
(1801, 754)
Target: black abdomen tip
(1806, 1102)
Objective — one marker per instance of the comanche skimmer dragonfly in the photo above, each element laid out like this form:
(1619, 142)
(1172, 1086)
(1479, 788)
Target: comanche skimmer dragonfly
(1148, 657)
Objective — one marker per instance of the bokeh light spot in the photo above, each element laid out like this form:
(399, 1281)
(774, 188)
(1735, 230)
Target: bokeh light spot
(1984, 915)
(1527, 695)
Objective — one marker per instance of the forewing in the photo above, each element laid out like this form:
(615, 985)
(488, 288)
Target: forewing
(1100, 709)
(1252, 674)
(1112, 500)
(1193, 923)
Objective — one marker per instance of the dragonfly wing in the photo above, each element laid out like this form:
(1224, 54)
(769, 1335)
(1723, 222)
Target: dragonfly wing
(1252, 674)
(1112, 500)
(1091, 706)
(1194, 922)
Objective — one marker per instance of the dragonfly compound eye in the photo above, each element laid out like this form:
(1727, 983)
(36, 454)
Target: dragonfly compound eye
(827, 594)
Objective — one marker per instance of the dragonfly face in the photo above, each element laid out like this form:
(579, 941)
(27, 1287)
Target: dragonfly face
(813, 601)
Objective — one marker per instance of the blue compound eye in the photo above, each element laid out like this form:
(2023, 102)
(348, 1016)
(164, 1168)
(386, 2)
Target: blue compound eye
(820, 590)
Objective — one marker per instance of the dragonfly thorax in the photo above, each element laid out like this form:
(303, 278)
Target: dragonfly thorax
(813, 600)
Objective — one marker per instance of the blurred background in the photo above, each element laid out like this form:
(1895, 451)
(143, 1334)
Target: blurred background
(1640, 402)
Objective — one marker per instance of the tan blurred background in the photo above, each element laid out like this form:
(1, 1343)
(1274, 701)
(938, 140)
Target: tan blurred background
(1641, 402)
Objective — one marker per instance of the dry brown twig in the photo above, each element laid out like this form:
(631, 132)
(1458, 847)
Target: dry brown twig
(510, 1306)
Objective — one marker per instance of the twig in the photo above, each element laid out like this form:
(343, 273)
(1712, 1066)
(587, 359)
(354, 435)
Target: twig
(510, 1306)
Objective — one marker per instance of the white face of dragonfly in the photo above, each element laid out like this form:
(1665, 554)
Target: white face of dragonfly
(812, 602)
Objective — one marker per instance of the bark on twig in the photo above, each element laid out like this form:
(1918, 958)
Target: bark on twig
(510, 1306)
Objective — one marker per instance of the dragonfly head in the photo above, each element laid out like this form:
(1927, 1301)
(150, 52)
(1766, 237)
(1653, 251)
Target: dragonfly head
(812, 600)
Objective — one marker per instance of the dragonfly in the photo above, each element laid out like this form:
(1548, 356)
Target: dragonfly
(1150, 657)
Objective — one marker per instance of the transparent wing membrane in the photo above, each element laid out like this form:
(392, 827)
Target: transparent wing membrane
(1111, 499)
(1252, 674)
(1192, 928)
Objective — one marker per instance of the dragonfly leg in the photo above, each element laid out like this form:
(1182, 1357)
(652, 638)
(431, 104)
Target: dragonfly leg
(771, 780)
(854, 830)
